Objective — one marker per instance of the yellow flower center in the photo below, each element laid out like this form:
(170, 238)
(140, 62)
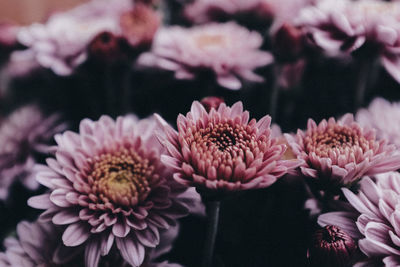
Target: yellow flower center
(123, 178)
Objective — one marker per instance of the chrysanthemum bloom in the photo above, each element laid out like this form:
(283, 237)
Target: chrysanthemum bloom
(384, 117)
(61, 43)
(38, 244)
(24, 133)
(375, 221)
(139, 25)
(340, 152)
(331, 246)
(228, 50)
(343, 26)
(108, 186)
(222, 150)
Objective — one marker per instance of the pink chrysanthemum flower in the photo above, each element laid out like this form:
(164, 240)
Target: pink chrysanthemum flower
(375, 220)
(228, 50)
(384, 117)
(24, 133)
(342, 151)
(222, 150)
(343, 26)
(61, 43)
(108, 186)
(38, 244)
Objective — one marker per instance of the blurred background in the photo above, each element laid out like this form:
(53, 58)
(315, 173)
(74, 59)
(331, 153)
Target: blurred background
(28, 11)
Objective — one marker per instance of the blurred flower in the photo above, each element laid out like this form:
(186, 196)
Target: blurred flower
(61, 43)
(228, 50)
(38, 244)
(222, 150)
(106, 47)
(23, 134)
(21, 64)
(139, 25)
(375, 220)
(343, 26)
(108, 186)
(331, 247)
(210, 102)
(201, 11)
(8, 35)
(384, 117)
(340, 152)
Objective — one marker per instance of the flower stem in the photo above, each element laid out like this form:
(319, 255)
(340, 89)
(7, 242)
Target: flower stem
(366, 78)
(273, 101)
(361, 84)
(212, 228)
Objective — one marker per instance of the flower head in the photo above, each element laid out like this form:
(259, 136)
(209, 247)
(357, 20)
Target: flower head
(384, 117)
(108, 186)
(222, 150)
(23, 134)
(331, 246)
(228, 50)
(342, 151)
(343, 26)
(139, 25)
(374, 221)
(38, 244)
(61, 43)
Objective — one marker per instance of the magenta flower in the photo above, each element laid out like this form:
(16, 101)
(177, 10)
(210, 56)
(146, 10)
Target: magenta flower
(228, 50)
(384, 117)
(139, 25)
(375, 220)
(24, 133)
(107, 186)
(61, 43)
(342, 151)
(331, 247)
(222, 150)
(343, 26)
(8, 35)
(38, 244)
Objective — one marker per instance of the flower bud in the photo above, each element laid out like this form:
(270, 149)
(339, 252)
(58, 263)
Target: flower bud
(331, 247)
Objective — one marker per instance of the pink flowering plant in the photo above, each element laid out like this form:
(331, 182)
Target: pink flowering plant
(149, 133)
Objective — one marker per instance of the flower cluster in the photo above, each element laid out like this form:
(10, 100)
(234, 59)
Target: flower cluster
(207, 132)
